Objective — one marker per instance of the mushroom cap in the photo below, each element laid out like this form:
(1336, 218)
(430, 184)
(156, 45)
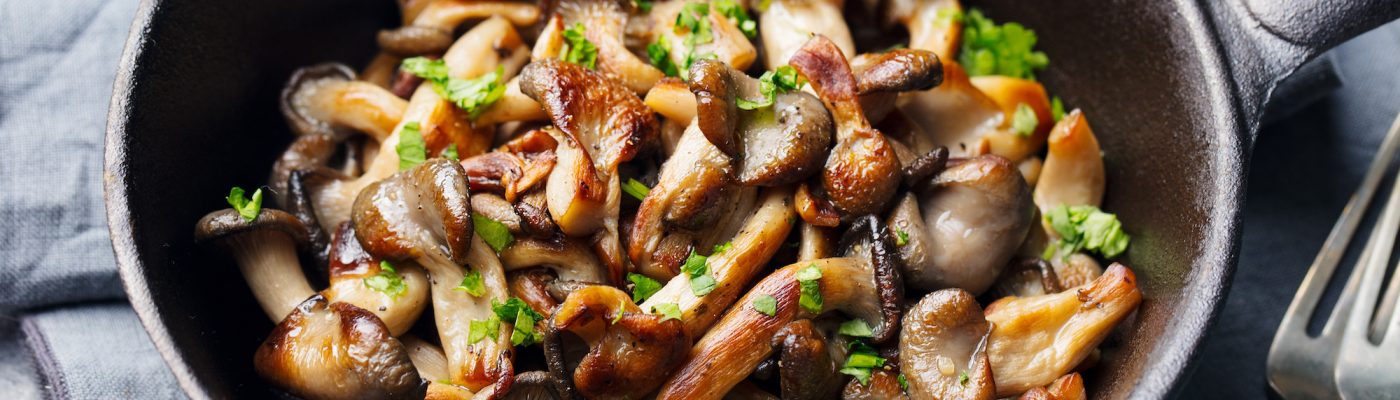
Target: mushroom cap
(776, 145)
(226, 223)
(417, 210)
(533, 385)
(899, 70)
(944, 337)
(294, 97)
(807, 369)
(869, 238)
(414, 40)
(326, 350)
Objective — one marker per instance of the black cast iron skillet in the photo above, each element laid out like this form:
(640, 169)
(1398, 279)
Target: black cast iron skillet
(1174, 89)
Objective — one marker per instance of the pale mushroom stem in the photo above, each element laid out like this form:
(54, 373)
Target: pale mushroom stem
(474, 365)
(273, 271)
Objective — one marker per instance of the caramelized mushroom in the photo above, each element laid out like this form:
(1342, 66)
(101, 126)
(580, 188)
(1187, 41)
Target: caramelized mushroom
(943, 348)
(884, 385)
(933, 24)
(672, 99)
(788, 24)
(965, 226)
(604, 25)
(424, 214)
(328, 350)
(770, 146)
(1068, 387)
(630, 350)
(881, 77)
(808, 370)
(1035, 340)
(1073, 173)
(326, 99)
(864, 284)
(861, 172)
(727, 43)
(350, 265)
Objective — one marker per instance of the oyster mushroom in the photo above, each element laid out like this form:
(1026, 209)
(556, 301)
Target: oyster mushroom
(955, 114)
(266, 252)
(431, 28)
(1011, 94)
(424, 214)
(943, 348)
(965, 226)
(1073, 173)
(672, 99)
(601, 125)
(773, 146)
(533, 385)
(933, 24)
(325, 350)
(788, 24)
(629, 350)
(864, 284)
(861, 173)
(884, 385)
(1068, 387)
(490, 44)
(326, 99)
(808, 370)
(350, 265)
(1024, 356)
(570, 260)
(604, 25)
(694, 205)
(1028, 277)
(881, 77)
(726, 43)
(515, 168)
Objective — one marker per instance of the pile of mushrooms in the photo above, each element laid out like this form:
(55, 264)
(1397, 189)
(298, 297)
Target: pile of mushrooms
(677, 200)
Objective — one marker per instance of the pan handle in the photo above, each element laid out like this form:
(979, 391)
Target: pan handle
(1268, 40)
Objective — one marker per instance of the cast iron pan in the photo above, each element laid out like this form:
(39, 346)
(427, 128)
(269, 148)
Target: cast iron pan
(1173, 88)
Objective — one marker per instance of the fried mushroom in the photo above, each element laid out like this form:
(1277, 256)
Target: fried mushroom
(265, 250)
(943, 348)
(325, 350)
(629, 350)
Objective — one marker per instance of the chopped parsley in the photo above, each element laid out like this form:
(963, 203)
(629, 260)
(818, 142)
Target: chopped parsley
(963, 378)
(621, 308)
(472, 284)
(1057, 109)
(1087, 228)
(1006, 49)
(480, 329)
(387, 281)
(644, 5)
(473, 95)
(739, 15)
(766, 305)
(692, 24)
(810, 280)
(900, 237)
(248, 209)
(903, 383)
(411, 148)
(667, 311)
(524, 317)
(495, 233)
(577, 49)
(722, 247)
(659, 51)
(947, 15)
(784, 80)
(1024, 120)
(637, 189)
(701, 283)
(855, 328)
(450, 153)
(861, 361)
(642, 287)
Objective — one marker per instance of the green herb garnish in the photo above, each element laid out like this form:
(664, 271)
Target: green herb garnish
(900, 237)
(480, 329)
(784, 79)
(387, 281)
(248, 209)
(903, 383)
(450, 153)
(766, 305)
(855, 328)
(963, 378)
(577, 49)
(1087, 228)
(642, 287)
(739, 15)
(1006, 49)
(637, 189)
(1024, 121)
(472, 284)
(514, 309)
(667, 311)
(659, 51)
(644, 5)
(473, 95)
(701, 283)
(1057, 109)
(495, 233)
(411, 148)
(861, 361)
(810, 280)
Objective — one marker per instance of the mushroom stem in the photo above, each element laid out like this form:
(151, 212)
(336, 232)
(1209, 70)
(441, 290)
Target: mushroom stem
(787, 24)
(270, 265)
(427, 358)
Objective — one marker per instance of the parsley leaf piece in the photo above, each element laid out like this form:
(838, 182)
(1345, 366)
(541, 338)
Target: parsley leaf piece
(1088, 228)
(477, 94)
(472, 284)
(766, 305)
(642, 287)
(1006, 49)
(810, 280)
(855, 328)
(947, 15)
(495, 233)
(701, 285)
(1024, 121)
(694, 264)
(248, 209)
(621, 309)
(480, 329)
(431, 70)
(763, 5)
(667, 311)
(577, 49)
(524, 333)
(903, 383)
(963, 378)
(387, 281)
(739, 15)
(411, 148)
(722, 247)
(644, 5)
(784, 79)
(861, 361)
(637, 189)
(450, 153)
(1057, 109)
(659, 51)
(900, 237)
(512, 307)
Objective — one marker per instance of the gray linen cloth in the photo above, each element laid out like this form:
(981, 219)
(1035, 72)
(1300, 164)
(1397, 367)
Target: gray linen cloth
(57, 63)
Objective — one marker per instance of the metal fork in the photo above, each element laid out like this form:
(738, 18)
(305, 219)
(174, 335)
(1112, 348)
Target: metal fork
(1343, 362)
